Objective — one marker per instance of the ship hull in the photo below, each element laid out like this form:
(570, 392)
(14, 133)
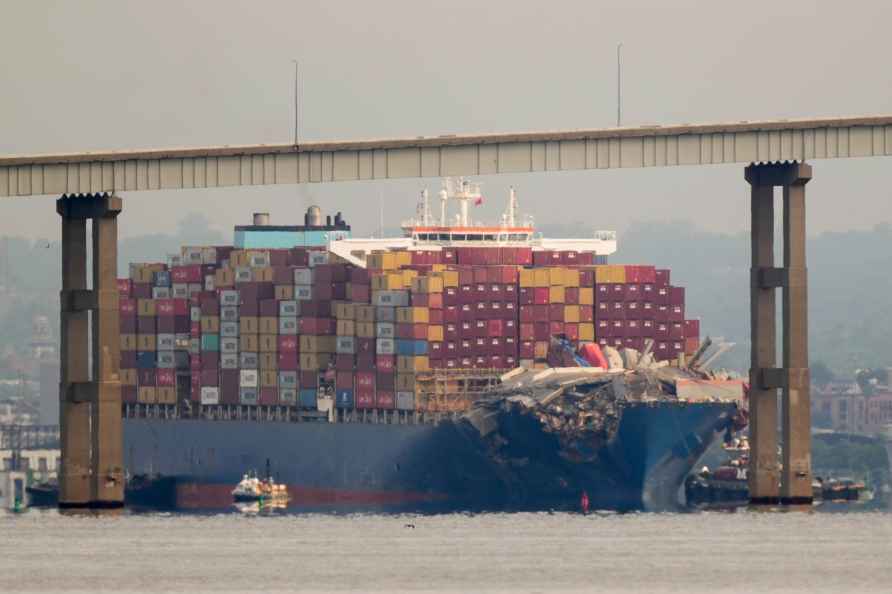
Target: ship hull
(444, 467)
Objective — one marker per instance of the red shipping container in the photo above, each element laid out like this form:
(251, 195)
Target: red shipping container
(603, 310)
(525, 296)
(495, 327)
(618, 328)
(308, 379)
(385, 400)
(385, 380)
(676, 313)
(435, 350)
(676, 330)
(648, 310)
(315, 309)
(647, 328)
(194, 329)
(365, 346)
(633, 292)
(571, 331)
(632, 274)
(586, 313)
(344, 362)
(587, 277)
(210, 377)
(676, 295)
(496, 362)
(164, 308)
(523, 256)
(541, 331)
(555, 328)
(210, 360)
(447, 256)
(661, 330)
(661, 277)
(127, 306)
(186, 274)
(288, 360)
(166, 377)
(145, 377)
(165, 325)
(365, 361)
(618, 310)
(691, 345)
(435, 316)
(385, 362)
(527, 331)
(556, 312)
(541, 258)
(526, 349)
(358, 276)
(692, 328)
(603, 329)
(365, 380)
(481, 328)
(124, 286)
(141, 291)
(195, 363)
(127, 324)
(287, 343)
(128, 359)
(571, 295)
(279, 258)
(268, 396)
(602, 292)
(647, 274)
(540, 295)
(344, 380)
(129, 394)
(633, 329)
(631, 310)
(451, 296)
(617, 292)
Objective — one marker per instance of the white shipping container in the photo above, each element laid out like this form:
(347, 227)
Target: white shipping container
(318, 258)
(191, 255)
(179, 290)
(194, 314)
(385, 314)
(229, 297)
(194, 346)
(160, 292)
(229, 361)
(287, 379)
(385, 330)
(248, 360)
(210, 395)
(288, 395)
(194, 289)
(303, 276)
(166, 360)
(243, 274)
(209, 255)
(385, 346)
(345, 345)
(248, 378)
(405, 400)
(390, 298)
(229, 345)
(247, 395)
(165, 342)
(288, 326)
(302, 293)
(210, 282)
(229, 329)
(229, 313)
(288, 308)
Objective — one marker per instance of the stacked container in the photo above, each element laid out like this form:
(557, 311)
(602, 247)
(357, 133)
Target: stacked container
(272, 327)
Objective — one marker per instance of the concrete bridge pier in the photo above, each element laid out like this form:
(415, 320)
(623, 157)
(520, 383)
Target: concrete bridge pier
(92, 473)
(770, 482)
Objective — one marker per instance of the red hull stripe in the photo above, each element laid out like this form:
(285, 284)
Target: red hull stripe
(216, 496)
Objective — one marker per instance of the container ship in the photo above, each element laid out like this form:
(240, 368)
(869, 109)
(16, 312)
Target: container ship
(356, 368)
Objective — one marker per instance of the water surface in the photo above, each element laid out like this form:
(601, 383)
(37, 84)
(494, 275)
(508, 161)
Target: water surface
(746, 551)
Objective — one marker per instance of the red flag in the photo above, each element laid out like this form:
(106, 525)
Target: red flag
(478, 201)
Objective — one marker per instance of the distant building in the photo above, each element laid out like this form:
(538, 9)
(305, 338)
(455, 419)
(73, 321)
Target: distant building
(850, 410)
(49, 393)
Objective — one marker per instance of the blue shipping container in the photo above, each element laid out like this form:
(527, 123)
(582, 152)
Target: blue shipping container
(308, 398)
(411, 348)
(145, 360)
(344, 399)
(161, 278)
(210, 342)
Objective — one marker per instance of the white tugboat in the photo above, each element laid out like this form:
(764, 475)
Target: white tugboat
(252, 489)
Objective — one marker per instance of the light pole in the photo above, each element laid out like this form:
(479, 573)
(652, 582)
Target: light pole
(619, 73)
(296, 102)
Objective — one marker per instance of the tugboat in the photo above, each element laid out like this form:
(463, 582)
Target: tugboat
(252, 489)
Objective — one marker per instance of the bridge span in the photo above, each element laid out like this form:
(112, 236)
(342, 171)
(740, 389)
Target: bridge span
(775, 152)
(448, 155)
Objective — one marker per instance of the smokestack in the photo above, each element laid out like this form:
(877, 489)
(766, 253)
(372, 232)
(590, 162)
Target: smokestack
(261, 219)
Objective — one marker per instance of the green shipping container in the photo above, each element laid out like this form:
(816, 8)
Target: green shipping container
(210, 342)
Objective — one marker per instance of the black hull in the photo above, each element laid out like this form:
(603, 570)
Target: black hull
(422, 468)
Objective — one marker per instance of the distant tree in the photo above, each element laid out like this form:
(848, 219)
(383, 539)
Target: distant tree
(821, 374)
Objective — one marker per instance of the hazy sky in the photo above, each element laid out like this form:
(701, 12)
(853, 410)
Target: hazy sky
(125, 74)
